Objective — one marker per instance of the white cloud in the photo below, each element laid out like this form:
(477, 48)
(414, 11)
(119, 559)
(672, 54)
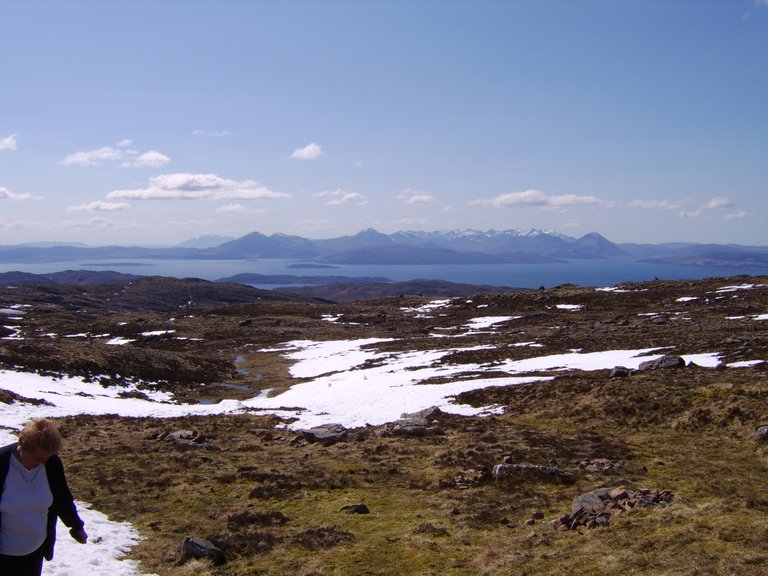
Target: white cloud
(526, 198)
(8, 195)
(714, 204)
(736, 215)
(309, 152)
(9, 143)
(537, 198)
(566, 200)
(153, 159)
(720, 202)
(93, 157)
(184, 186)
(99, 206)
(761, 2)
(410, 196)
(340, 196)
(212, 133)
(122, 153)
(232, 208)
(655, 205)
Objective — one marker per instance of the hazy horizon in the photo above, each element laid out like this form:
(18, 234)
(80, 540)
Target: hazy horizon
(45, 242)
(152, 123)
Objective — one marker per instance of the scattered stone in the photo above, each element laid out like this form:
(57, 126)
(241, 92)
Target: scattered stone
(761, 434)
(184, 438)
(417, 424)
(619, 372)
(355, 509)
(666, 361)
(327, 434)
(619, 494)
(181, 435)
(198, 548)
(469, 478)
(137, 394)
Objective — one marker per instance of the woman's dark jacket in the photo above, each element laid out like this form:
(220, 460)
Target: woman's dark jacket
(63, 504)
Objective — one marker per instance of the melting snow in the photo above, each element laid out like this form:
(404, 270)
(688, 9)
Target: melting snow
(109, 542)
(119, 341)
(157, 333)
(753, 317)
(428, 307)
(615, 289)
(745, 363)
(352, 382)
(488, 321)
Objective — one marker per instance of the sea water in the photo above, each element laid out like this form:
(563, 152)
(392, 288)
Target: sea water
(585, 272)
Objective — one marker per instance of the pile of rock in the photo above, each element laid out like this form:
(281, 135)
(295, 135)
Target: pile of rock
(599, 507)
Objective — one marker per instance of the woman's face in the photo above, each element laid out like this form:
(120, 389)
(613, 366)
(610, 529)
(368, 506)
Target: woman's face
(32, 458)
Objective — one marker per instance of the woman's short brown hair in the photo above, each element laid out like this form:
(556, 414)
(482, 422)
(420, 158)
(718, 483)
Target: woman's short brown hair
(40, 434)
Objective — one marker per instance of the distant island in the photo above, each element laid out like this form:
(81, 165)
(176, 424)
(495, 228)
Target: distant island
(371, 247)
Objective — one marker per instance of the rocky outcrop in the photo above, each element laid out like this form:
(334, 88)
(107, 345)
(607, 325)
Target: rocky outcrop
(421, 423)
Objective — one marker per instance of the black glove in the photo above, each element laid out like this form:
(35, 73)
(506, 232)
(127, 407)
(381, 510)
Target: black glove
(79, 535)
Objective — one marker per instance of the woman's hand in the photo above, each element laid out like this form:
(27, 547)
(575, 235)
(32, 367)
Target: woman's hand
(79, 535)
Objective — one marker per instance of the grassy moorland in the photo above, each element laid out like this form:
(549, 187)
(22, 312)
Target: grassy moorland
(272, 500)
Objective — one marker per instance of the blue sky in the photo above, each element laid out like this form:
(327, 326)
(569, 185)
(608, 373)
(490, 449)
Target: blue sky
(152, 122)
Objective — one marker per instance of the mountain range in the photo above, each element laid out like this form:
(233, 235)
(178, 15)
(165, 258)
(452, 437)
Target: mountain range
(409, 247)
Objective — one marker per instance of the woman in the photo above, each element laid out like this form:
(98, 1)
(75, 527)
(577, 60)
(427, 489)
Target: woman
(34, 494)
